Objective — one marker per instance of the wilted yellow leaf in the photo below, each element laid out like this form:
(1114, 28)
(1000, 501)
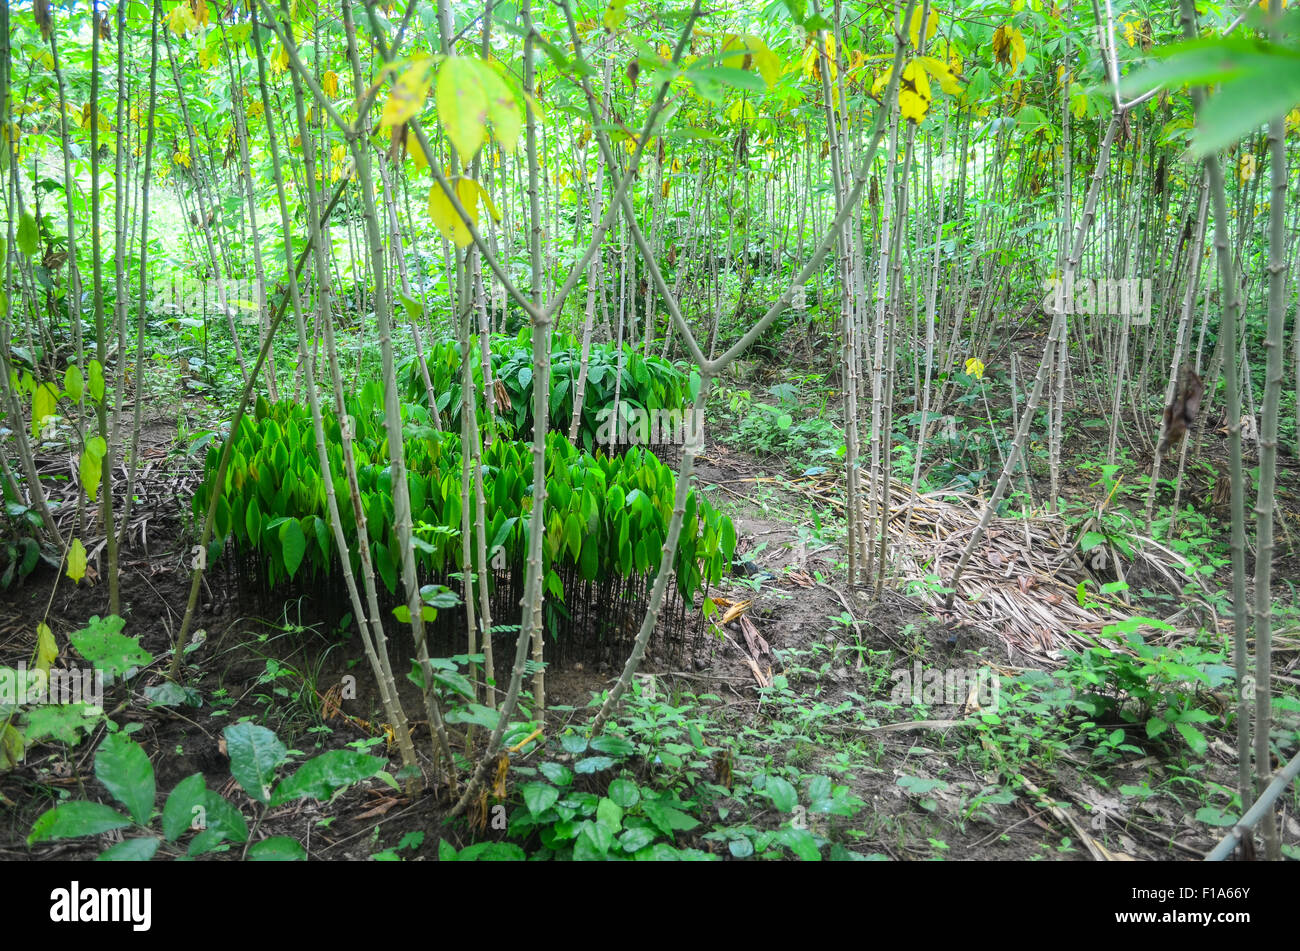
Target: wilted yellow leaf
(76, 560)
(1009, 46)
(975, 368)
(47, 648)
(330, 83)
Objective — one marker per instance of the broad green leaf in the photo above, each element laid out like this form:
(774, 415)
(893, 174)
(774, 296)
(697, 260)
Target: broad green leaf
(255, 754)
(668, 818)
(183, 806)
(293, 544)
(624, 792)
(782, 794)
(539, 797)
(73, 819)
(90, 468)
(324, 775)
(12, 746)
(62, 723)
(96, 381)
(140, 849)
(223, 823)
(103, 644)
(123, 766)
(74, 382)
(28, 234)
(279, 848)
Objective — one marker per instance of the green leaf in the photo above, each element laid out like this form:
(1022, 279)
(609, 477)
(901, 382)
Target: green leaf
(223, 823)
(63, 723)
(741, 848)
(73, 819)
(539, 797)
(667, 818)
(610, 815)
(96, 381)
(253, 520)
(255, 755)
(28, 234)
(103, 644)
(140, 849)
(123, 766)
(1090, 541)
(782, 794)
(624, 792)
(279, 848)
(633, 840)
(613, 745)
(179, 811)
(477, 714)
(293, 545)
(323, 776)
(801, 842)
(73, 382)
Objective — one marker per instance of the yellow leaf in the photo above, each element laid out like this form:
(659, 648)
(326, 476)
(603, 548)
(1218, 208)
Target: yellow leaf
(1246, 168)
(462, 105)
(281, 61)
(615, 14)
(931, 25)
(47, 648)
(415, 152)
(181, 19)
(445, 218)
(76, 560)
(940, 71)
(975, 368)
(406, 100)
(330, 83)
(914, 94)
(1292, 121)
(1009, 46)
(740, 110)
(769, 65)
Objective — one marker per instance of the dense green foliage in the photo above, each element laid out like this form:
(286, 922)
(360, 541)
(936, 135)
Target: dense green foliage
(605, 515)
(646, 383)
